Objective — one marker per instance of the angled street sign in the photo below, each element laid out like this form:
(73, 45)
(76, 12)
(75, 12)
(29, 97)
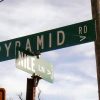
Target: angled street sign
(50, 40)
(44, 69)
(31, 64)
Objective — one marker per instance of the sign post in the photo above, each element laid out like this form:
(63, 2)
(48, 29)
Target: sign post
(96, 15)
(32, 83)
(2, 94)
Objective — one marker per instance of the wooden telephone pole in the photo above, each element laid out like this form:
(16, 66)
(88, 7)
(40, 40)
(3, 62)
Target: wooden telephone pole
(32, 83)
(31, 87)
(96, 15)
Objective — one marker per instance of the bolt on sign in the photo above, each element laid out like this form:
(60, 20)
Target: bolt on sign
(50, 40)
(2, 94)
(31, 64)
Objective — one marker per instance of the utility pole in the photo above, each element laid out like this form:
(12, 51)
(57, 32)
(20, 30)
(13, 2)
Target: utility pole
(32, 83)
(31, 87)
(96, 15)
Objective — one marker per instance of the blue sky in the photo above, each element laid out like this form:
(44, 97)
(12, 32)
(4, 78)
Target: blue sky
(74, 67)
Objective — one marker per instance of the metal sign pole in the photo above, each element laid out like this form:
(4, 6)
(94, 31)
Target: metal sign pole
(29, 93)
(96, 15)
(32, 83)
(2, 94)
(34, 93)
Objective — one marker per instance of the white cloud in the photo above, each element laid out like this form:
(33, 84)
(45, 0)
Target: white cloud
(82, 91)
(85, 68)
(28, 17)
(51, 55)
(85, 92)
(74, 67)
(83, 50)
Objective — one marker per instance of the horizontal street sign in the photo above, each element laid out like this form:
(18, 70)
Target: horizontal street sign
(50, 40)
(31, 64)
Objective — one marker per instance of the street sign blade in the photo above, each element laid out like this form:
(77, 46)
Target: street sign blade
(44, 69)
(50, 40)
(25, 62)
(31, 64)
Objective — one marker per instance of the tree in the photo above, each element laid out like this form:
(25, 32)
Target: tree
(20, 96)
(39, 94)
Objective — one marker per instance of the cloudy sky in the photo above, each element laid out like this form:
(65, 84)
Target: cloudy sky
(74, 67)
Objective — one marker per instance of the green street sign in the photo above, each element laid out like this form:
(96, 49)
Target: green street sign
(31, 64)
(50, 40)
